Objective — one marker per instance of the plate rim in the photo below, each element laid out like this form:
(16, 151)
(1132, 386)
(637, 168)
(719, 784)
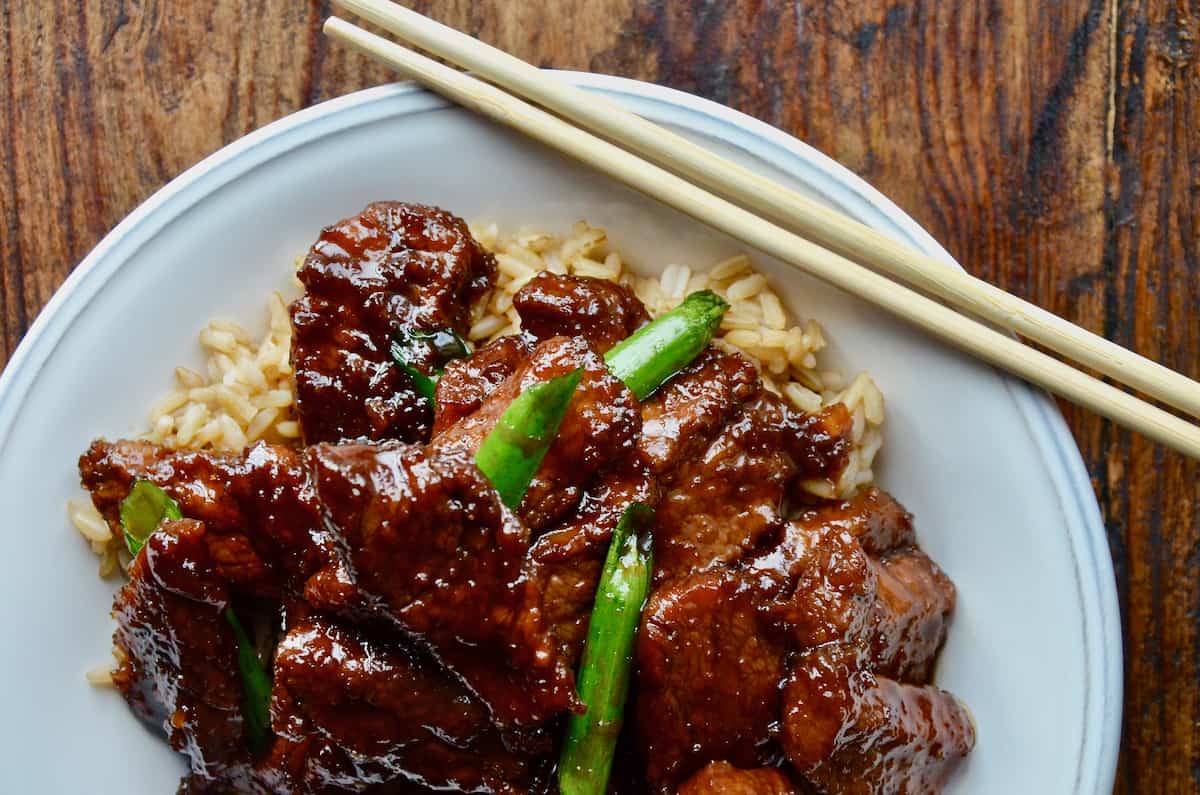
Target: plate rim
(1095, 578)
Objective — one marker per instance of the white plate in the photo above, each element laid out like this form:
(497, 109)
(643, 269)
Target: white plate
(986, 464)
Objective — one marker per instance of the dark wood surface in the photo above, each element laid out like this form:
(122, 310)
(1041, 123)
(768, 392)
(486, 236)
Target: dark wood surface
(1052, 145)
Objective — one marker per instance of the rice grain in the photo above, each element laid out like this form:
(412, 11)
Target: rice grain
(745, 289)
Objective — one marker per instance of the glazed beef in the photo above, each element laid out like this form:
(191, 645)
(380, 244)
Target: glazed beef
(722, 778)
(728, 454)
(591, 473)
(708, 677)
(856, 719)
(430, 541)
(729, 654)
(811, 641)
(713, 648)
(467, 382)
(601, 312)
(178, 657)
(346, 710)
(356, 540)
(428, 538)
(849, 730)
(264, 537)
(874, 517)
(564, 563)
(364, 710)
(914, 601)
(550, 305)
(260, 511)
(603, 421)
(392, 268)
(682, 418)
(722, 503)
(817, 586)
(913, 597)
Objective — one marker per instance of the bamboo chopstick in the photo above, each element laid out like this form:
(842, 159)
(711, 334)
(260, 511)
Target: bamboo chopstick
(831, 229)
(973, 337)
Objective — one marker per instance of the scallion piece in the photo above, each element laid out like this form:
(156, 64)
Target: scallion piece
(446, 343)
(256, 688)
(513, 450)
(424, 384)
(410, 346)
(144, 508)
(658, 350)
(603, 681)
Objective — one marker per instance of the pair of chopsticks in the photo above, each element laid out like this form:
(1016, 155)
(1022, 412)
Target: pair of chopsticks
(832, 245)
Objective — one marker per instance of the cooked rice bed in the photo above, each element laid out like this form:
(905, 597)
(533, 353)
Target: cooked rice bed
(245, 394)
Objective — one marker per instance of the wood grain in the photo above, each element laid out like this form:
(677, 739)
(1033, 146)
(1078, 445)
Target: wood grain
(1053, 147)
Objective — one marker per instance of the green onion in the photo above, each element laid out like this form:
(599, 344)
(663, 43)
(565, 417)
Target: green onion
(513, 450)
(256, 688)
(409, 346)
(424, 384)
(144, 508)
(658, 350)
(446, 343)
(603, 681)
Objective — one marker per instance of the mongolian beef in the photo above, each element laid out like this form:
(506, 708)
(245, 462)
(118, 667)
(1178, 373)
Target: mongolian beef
(600, 553)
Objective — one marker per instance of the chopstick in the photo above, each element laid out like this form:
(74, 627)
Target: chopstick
(790, 209)
(966, 334)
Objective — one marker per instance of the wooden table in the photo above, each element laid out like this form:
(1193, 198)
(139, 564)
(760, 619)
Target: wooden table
(1053, 147)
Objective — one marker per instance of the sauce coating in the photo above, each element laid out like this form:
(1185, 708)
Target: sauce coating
(421, 636)
(392, 268)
